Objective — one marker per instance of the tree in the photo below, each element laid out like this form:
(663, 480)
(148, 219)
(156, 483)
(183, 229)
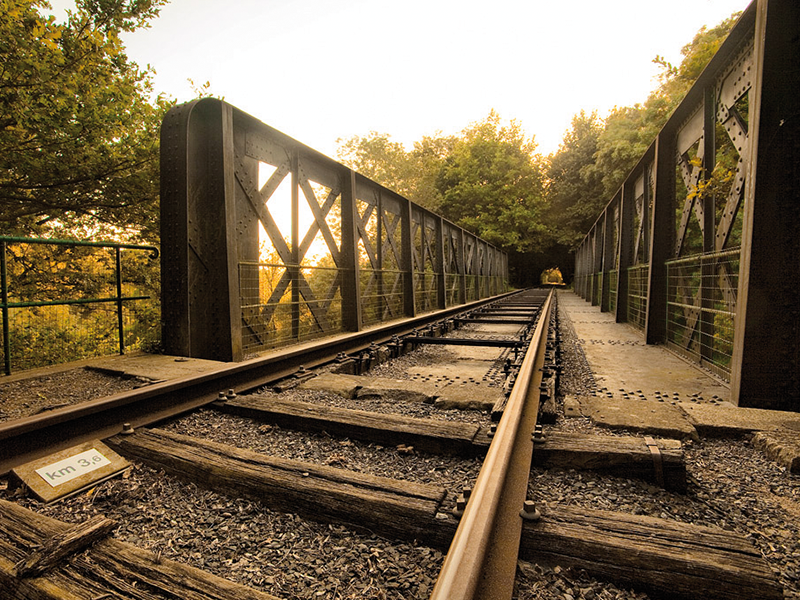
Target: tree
(78, 135)
(630, 130)
(492, 183)
(411, 174)
(378, 157)
(575, 193)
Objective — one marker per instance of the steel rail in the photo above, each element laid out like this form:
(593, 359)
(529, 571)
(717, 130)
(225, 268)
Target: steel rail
(482, 558)
(23, 440)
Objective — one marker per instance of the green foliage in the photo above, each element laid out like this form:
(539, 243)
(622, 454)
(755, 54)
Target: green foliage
(629, 131)
(492, 183)
(574, 183)
(78, 135)
(411, 174)
(41, 335)
(596, 156)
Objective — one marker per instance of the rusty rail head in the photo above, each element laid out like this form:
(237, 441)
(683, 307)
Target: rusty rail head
(482, 558)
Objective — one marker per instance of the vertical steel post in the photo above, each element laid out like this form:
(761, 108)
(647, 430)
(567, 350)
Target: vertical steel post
(766, 354)
(597, 263)
(4, 291)
(120, 322)
(409, 302)
(379, 257)
(462, 267)
(294, 269)
(625, 247)
(609, 251)
(351, 296)
(662, 235)
(441, 297)
(199, 262)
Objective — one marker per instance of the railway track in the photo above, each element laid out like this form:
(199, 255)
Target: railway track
(356, 480)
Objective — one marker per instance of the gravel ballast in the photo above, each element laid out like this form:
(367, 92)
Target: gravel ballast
(731, 485)
(27, 397)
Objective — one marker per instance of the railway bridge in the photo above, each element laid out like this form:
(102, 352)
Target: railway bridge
(375, 396)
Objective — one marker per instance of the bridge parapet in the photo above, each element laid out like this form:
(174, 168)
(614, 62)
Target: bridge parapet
(708, 268)
(267, 242)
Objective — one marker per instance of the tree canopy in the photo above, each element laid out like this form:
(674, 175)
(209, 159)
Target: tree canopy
(488, 180)
(78, 133)
(630, 130)
(574, 183)
(409, 173)
(79, 140)
(492, 183)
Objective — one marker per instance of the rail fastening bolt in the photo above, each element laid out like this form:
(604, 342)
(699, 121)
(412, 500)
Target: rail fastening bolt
(461, 506)
(529, 511)
(127, 429)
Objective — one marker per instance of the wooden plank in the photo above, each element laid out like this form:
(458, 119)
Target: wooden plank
(429, 435)
(70, 541)
(386, 506)
(616, 455)
(68, 472)
(659, 556)
(109, 569)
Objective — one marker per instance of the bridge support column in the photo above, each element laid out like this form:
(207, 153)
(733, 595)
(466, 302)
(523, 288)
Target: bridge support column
(199, 261)
(766, 351)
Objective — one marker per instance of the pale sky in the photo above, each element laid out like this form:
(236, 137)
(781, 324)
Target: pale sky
(319, 70)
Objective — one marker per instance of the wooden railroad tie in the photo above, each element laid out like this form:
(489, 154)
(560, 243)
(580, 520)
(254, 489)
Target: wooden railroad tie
(660, 462)
(43, 558)
(624, 456)
(658, 555)
(429, 435)
(390, 507)
(666, 558)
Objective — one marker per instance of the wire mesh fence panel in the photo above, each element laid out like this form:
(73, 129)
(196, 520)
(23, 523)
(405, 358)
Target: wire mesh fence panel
(275, 315)
(453, 289)
(426, 291)
(702, 306)
(612, 291)
(385, 305)
(67, 300)
(637, 295)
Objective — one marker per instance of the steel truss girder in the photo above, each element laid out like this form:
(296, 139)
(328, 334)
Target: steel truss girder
(748, 90)
(213, 207)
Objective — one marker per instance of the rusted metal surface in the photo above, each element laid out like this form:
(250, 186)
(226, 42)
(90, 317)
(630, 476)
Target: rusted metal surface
(482, 559)
(706, 255)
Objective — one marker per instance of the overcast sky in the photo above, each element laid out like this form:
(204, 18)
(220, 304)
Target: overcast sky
(319, 70)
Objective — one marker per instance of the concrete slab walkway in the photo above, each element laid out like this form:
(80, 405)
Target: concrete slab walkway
(651, 390)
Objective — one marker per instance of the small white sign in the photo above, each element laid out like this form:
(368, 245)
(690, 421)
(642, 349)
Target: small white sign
(72, 467)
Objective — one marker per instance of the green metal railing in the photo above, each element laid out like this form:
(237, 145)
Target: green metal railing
(65, 299)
